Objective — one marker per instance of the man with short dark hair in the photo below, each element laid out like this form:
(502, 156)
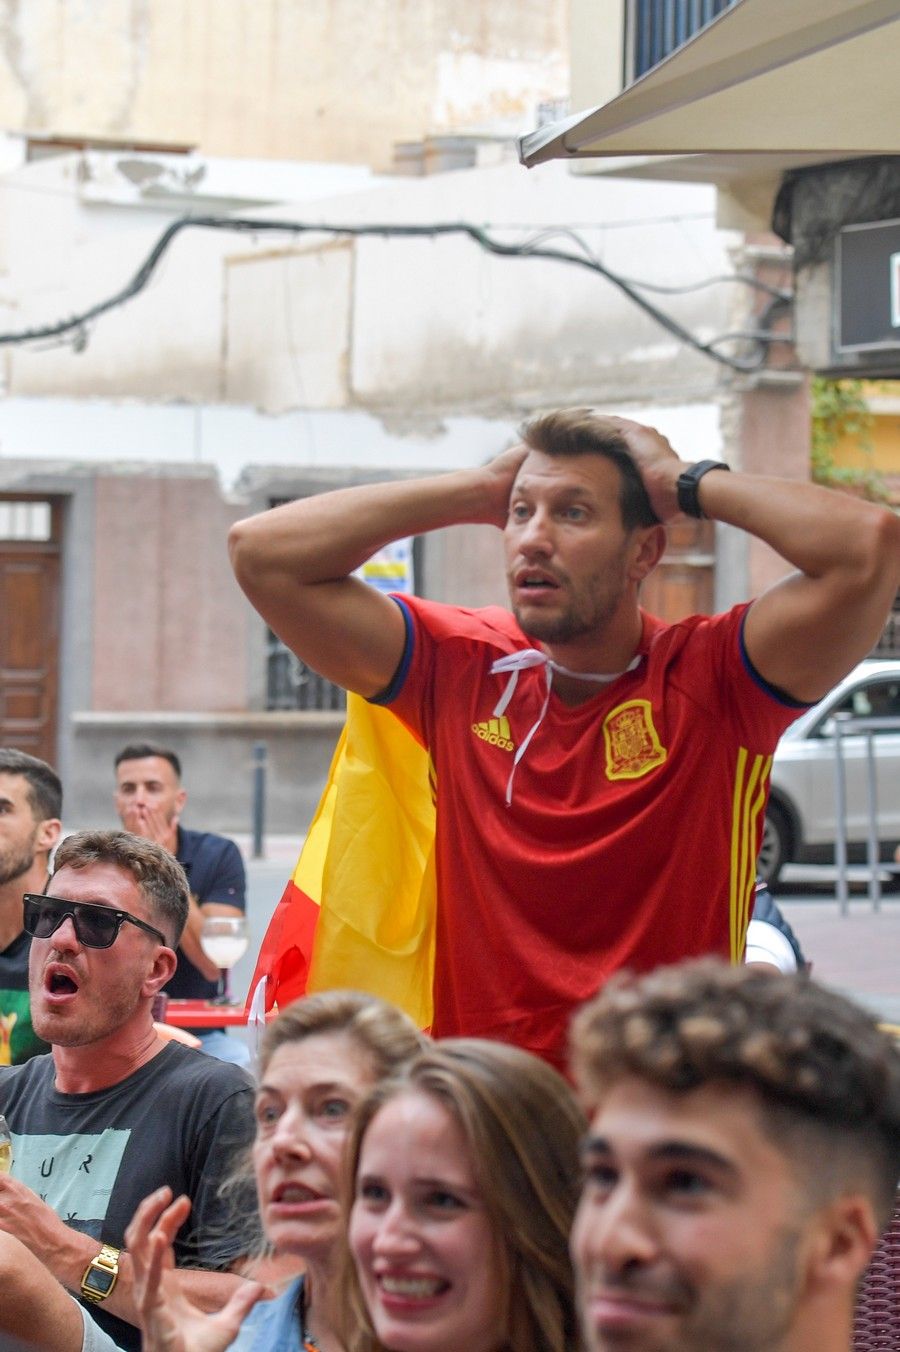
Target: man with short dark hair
(600, 777)
(114, 1112)
(741, 1160)
(149, 799)
(30, 811)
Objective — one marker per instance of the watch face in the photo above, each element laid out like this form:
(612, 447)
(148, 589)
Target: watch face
(99, 1281)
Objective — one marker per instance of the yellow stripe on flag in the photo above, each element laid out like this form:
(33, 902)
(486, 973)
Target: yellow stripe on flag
(369, 860)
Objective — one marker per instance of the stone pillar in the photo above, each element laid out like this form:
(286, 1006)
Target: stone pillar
(766, 422)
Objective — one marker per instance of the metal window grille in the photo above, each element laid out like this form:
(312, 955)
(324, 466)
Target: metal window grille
(291, 684)
(657, 27)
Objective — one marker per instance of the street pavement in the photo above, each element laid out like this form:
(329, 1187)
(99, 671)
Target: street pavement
(857, 953)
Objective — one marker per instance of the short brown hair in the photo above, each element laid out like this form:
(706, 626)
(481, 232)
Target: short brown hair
(584, 431)
(522, 1127)
(379, 1029)
(159, 877)
(44, 786)
(825, 1077)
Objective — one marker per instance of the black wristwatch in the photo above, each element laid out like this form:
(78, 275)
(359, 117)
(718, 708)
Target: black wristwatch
(686, 487)
(101, 1275)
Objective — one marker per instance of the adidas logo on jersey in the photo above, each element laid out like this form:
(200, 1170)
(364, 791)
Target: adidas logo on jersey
(495, 732)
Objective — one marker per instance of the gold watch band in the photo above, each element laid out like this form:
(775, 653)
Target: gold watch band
(101, 1275)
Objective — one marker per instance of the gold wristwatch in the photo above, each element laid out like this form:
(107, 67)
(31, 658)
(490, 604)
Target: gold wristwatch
(101, 1275)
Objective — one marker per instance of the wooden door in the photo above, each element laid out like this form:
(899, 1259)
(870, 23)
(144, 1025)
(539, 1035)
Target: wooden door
(684, 582)
(29, 623)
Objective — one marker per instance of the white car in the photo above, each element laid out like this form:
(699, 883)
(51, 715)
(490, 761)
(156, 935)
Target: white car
(801, 816)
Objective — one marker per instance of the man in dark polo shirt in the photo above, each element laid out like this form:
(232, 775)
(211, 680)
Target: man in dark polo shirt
(30, 808)
(149, 800)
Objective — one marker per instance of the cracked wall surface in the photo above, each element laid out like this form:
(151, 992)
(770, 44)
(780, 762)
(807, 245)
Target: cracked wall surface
(322, 79)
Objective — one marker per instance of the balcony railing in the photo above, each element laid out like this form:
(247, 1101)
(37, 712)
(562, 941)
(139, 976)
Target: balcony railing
(657, 27)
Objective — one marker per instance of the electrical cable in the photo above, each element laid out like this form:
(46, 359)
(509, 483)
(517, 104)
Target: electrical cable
(777, 293)
(78, 324)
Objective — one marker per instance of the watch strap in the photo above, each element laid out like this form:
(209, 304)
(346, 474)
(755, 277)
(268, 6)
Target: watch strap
(686, 486)
(104, 1269)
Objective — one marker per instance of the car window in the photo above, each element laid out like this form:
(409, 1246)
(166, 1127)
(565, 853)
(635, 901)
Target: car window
(877, 699)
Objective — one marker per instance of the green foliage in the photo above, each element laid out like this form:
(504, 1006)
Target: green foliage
(839, 411)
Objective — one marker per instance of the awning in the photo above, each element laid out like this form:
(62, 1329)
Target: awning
(809, 77)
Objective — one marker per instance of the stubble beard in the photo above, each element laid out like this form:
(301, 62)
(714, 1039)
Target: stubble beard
(737, 1316)
(590, 620)
(80, 1030)
(751, 1317)
(13, 866)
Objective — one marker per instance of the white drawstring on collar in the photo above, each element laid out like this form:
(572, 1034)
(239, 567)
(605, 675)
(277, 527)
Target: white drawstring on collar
(533, 657)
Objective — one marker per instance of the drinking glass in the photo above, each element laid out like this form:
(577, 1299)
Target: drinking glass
(224, 939)
(5, 1146)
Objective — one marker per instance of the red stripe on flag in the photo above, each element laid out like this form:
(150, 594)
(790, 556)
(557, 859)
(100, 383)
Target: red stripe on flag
(286, 950)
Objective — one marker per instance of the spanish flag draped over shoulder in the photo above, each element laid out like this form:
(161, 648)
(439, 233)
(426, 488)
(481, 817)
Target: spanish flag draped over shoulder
(359, 909)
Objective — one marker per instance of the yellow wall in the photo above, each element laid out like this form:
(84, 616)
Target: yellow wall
(884, 401)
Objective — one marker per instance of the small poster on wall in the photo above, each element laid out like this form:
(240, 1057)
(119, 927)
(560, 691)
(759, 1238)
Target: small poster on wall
(391, 569)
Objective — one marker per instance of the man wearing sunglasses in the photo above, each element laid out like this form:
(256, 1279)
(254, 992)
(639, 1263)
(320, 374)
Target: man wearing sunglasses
(114, 1112)
(30, 811)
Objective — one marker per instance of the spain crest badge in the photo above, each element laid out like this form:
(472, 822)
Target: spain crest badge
(632, 743)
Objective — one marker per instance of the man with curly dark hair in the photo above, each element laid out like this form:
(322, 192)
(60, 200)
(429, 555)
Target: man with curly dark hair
(742, 1159)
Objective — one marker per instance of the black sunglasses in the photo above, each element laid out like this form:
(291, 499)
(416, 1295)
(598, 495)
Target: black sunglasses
(95, 926)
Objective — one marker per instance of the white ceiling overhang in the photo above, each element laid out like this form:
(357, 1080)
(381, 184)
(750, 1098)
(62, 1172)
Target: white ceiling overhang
(803, 80)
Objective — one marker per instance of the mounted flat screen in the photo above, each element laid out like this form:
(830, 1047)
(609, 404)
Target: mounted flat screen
(867, 287)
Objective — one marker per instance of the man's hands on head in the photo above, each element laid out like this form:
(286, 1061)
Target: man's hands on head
(499, 476)
(657, 463)
(807, 630)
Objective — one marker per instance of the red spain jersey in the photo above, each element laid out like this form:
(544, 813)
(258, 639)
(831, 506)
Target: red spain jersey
(631, 836)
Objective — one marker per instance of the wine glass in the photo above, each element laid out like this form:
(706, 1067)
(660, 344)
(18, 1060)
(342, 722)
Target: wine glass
(224, 939)
(5, 1146)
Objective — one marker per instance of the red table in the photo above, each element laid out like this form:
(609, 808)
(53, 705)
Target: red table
(204, 1014)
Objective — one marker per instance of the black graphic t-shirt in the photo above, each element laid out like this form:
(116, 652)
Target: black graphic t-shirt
(179, 1119)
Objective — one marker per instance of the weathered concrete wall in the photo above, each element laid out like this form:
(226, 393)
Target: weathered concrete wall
(596, 37)
(167, 610)
(302, 300)
(303, 79)
(412, 330)
(216, 752)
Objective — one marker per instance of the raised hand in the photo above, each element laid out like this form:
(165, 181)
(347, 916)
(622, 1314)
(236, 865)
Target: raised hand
(657, 463)
(170, 1321)
(499, 477)
(151, 823)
